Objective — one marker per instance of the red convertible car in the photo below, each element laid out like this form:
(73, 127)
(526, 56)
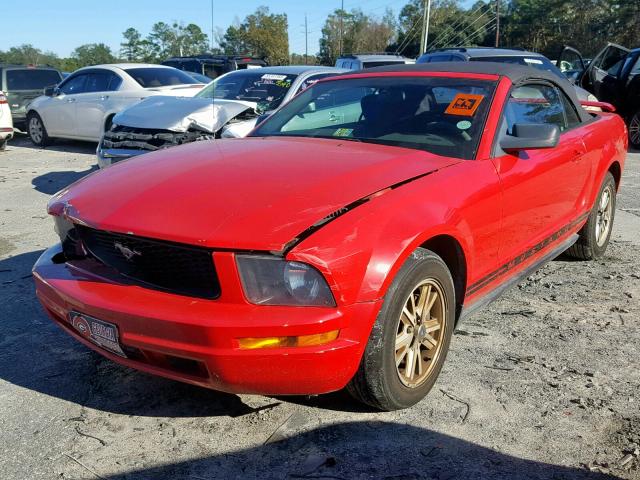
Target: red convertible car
(341, 242)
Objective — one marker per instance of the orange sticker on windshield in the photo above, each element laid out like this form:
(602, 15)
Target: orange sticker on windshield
(464, 104)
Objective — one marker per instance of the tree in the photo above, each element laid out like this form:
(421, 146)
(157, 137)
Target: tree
(29, 55)
(355, 32)
(132, 47)
(450, 25)
(175, 40)
(261, 34)
(92, 54)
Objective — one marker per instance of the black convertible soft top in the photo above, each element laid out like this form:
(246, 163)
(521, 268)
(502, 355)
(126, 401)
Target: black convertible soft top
(515, 73)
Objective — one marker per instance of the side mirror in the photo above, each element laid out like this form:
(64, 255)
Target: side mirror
(531, 136)
(51, 91)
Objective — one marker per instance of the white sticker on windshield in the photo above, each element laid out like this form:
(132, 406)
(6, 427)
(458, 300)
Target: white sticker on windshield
(273, 76)
(463, 125)
(533, 60)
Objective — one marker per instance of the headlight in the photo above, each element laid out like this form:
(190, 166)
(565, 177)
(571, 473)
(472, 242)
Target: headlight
(270, 280)
(592, 98)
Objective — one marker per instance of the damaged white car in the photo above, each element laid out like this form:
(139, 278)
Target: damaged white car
(228, 107)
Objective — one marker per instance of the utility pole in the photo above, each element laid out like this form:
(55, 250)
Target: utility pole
(211, 26)
(497, 23)
(425, 26)
(306, 39)
(341, 14)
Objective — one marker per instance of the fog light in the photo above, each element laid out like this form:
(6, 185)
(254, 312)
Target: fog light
(279, 342)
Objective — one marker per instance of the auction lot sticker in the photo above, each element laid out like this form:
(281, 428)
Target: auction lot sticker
(464, 104)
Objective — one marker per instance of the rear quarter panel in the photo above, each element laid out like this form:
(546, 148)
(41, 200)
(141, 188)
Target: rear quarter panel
(606, 141)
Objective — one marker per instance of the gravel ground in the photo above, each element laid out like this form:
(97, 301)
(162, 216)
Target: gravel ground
(544, 383)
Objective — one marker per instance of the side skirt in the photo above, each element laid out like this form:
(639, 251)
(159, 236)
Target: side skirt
(468, 310)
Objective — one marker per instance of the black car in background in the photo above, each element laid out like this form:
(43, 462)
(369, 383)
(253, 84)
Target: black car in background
(213, 66)
(23, 83)
(614, 77)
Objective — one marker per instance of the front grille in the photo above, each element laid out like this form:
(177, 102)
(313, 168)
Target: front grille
(121, 136)
(173, 267)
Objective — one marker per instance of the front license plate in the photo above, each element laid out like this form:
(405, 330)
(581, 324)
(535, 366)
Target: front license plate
(103, 334)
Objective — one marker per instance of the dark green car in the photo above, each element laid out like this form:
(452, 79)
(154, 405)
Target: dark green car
(22, 83)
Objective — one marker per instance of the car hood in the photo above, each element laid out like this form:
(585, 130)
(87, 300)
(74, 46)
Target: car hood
(248, 194)
(180, 114)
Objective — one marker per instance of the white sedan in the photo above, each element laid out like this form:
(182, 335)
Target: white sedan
(6, 124)
(82, 106)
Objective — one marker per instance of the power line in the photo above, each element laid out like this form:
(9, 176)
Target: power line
(443, 43)
(446, 33)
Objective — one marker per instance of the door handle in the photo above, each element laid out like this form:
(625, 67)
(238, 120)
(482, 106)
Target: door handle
(104, 97)
(71, 100)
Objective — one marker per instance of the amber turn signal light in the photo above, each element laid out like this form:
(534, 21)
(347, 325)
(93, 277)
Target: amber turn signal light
(278, 342)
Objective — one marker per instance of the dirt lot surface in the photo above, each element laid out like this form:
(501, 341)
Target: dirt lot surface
(544, 383)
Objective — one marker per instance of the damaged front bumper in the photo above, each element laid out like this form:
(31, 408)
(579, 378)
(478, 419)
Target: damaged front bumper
(121, 142)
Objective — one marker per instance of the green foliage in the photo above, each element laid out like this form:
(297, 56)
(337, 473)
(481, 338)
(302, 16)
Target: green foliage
(27, 54)
(299, 59)
(93, 54)
(261, 34)
(355, 32)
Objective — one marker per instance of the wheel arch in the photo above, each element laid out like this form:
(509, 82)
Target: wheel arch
(616, 170)
(108, 120)
(449, 249)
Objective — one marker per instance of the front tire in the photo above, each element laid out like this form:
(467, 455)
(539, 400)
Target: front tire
(3, 145)
(410, 338)
(595, 234)
(634, 130)
(37, 131)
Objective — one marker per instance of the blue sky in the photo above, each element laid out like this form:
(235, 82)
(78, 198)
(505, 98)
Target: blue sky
(62, 25)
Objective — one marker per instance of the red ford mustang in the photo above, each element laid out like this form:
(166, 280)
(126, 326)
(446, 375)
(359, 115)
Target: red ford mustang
(340, 243)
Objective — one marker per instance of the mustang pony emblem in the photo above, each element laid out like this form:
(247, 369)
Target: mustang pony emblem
(126, 252)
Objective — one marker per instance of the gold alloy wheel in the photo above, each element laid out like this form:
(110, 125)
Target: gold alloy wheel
(603, 219)
(420, 332)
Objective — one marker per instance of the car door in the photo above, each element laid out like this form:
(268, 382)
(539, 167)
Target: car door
(59, 112)
(571, 64)
(603, 74)
(94, 104)
(543, 189)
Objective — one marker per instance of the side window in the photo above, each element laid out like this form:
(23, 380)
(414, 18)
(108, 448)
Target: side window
(97, 82)
(535, 103)
(635, 70)
(612, 61)
(114, 82)
(74, 84)
(440, 58)
(569, 109)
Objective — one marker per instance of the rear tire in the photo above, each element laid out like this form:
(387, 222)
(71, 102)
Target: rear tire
(37, 131)
(595, 234)
(409, 342)
(634, 130)
(3, 145)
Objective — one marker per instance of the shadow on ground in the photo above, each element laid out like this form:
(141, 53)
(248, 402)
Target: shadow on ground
(365, 450)
(52, 182)
(69, 371)
(22, 140)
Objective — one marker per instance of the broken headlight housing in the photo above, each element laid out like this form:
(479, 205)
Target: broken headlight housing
(65, 229)
(268, 280)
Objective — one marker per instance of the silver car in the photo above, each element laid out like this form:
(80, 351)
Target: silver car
(228, 107)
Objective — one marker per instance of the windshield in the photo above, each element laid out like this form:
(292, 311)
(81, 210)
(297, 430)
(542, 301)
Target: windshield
(266, 89)
(441, 115)
(160, 77)
(31, 79)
